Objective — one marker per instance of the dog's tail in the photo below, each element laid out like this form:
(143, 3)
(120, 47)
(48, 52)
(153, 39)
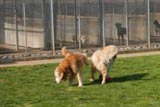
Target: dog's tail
(64, 51)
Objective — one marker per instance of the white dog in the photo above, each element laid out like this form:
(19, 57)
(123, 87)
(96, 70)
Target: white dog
(102, 61)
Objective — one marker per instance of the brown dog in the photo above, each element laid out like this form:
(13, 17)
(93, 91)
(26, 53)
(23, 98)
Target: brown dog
(102, 61)
(70, 66)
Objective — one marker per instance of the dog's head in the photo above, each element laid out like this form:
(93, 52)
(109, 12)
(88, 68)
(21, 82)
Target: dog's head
(118, 25)
(83, 39)
(58, 75)
(156, 22)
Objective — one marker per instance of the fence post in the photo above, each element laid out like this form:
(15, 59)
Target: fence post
(104, 41)
(43, 18)
(127, 26)
(75, 18)
(16, 26)
(24, 26)
(52, 28)
(148, 24)
(113, 15)
(101, 20)
(79, 24)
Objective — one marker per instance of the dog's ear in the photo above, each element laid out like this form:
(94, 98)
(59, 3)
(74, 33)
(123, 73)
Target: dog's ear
(58, 72)
(61, 74)
(156, 22)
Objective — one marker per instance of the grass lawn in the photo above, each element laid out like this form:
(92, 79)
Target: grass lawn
(136, 83)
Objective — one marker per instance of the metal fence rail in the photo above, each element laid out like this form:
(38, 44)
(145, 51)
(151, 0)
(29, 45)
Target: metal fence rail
(29, 26)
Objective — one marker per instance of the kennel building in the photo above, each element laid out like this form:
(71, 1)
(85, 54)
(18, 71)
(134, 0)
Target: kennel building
(38, 25)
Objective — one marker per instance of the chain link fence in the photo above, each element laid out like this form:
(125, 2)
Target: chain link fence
(30, 26)
(155, 21)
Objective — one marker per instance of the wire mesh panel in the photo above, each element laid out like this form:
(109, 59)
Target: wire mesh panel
(115, 21)
(47, 23)
(137, 21)
(74, 18)
(89, 18)
(119, 22)
(65, 23)
(22, 24)
(7, 28)
(30, 24)
(9, 22)
(108, 14)
(155, 21)
(1, 22)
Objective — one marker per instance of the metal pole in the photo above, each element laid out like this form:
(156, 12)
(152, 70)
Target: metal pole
(79, 25)
(42, 7)
(75, 18)
(43, 15)
(104, 42)
(65, 18)
(100, 20)
(127, 26)
(52, 28)
(24, 27)
(60, 17)
(16, 26)
(113, 15)
(148, 27)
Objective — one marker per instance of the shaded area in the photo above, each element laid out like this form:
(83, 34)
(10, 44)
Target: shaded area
(133, 77)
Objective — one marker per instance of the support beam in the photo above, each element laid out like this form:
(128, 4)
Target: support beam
(75, 18)
(24, 26)
(16, 26)
(148, 24)
(103, 35)
(101, 20)
(127, 25)
(113, 21)
(52, 28)
(79, 24)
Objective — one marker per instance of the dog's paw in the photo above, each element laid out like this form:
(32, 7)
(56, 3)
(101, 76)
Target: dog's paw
(80, 85)
(103, 82)
(91, 80)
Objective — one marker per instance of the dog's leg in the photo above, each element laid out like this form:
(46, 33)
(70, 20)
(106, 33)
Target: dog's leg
(79, 77)
(77, 71)
(110, 64)
(122, 37)
(93, 69)
(104, 75)
(118, 39)
(71, 79)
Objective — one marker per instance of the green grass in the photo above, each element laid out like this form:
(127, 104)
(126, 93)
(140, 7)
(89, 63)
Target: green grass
(136, 83)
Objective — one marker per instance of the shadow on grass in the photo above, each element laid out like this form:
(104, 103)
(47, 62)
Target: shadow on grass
(133, 77)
